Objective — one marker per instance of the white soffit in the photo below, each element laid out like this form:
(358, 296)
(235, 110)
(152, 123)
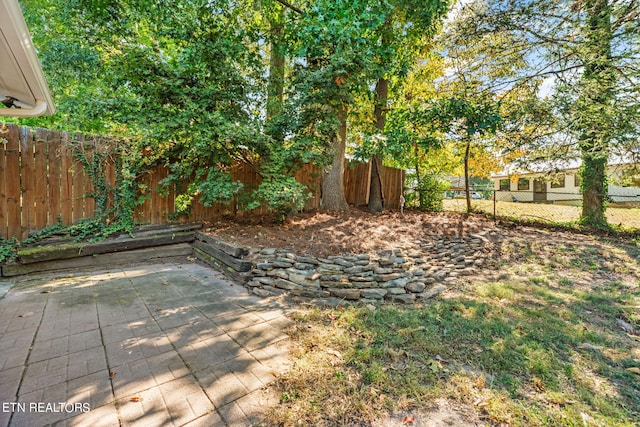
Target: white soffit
(21, 79)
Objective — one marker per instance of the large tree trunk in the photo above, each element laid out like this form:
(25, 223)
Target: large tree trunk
(333, 198)
(376, 198)
(593, 111)
(275, 89)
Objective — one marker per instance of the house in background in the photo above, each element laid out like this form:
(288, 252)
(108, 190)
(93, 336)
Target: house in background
(480, 188)
(563, 187)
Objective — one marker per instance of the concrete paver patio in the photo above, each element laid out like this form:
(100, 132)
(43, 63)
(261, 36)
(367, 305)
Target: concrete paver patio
(147, 345)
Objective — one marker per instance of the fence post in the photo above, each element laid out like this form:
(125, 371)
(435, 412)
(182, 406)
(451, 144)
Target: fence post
(494, 205)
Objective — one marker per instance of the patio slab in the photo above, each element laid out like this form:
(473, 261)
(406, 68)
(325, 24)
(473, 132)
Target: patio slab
(145, 345)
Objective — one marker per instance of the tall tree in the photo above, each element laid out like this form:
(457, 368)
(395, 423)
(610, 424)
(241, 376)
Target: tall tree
(335, 47)
(405, 36)
(589, 52)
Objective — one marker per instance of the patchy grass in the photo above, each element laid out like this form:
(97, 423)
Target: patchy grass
(625, 218)
(539, 346)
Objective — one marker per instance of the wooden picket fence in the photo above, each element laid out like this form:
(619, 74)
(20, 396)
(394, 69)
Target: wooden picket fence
(42, 183)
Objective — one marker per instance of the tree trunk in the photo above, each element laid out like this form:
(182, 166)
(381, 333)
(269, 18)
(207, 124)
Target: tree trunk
(466, 174)
(376, 198)
(333, 198)
(418, 178)
(593, 111)
(275, 88)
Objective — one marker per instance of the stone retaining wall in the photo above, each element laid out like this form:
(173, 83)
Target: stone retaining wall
(402, 276)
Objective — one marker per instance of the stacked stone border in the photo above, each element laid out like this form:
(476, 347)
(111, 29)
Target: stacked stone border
(395, 275)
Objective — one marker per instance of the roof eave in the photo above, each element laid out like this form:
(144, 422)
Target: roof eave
(22, 78)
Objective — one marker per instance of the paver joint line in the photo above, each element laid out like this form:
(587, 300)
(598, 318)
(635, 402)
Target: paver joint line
(24, 371)
(179, 337)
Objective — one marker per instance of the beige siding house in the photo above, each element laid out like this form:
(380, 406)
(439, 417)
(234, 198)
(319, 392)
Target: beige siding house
(562, 187)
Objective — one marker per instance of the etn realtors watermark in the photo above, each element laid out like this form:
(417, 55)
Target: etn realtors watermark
(45, 407)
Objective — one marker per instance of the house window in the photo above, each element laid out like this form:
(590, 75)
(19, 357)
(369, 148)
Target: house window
(558, 182)
(576, 180)
(505, 185)
(523, 184)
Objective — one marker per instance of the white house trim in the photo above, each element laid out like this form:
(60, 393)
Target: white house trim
(22, 81)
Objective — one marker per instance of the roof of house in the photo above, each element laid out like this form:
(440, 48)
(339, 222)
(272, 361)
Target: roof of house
(22, 83)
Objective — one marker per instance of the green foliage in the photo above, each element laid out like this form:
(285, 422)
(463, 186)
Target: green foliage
(430, 192)
(283, 195)
(8, 249)
(114, 204)
(586, 54)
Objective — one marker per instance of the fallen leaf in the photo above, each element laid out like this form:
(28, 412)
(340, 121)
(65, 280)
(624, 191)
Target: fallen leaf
(136, 399)
(335, 353)
(331, 316)
(191, 258)
(480, 402)
(158, 308)
(27, 314)
(408, 419)
(45, 292)
(634, 370)
(537, 382)
(112, 374)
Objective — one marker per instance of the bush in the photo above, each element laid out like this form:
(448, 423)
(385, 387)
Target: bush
(430, 192)
(283, 195)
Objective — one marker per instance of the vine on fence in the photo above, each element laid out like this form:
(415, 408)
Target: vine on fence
(118, 215)
(114, 203)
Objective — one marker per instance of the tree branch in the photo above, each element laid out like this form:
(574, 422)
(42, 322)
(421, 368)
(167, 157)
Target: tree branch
(290, 6)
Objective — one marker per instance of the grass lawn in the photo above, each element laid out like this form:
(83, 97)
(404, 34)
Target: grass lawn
(626, 218)
(541, 344)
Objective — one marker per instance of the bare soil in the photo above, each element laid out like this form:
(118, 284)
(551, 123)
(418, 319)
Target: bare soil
(354, 231)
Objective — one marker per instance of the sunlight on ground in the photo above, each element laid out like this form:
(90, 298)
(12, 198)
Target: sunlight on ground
(627, 218)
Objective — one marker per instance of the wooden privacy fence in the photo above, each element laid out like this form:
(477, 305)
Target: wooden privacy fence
(42, 183)
(357, 180)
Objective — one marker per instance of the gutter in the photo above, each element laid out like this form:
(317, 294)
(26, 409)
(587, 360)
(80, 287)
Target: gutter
(24, 73)
(39, 109)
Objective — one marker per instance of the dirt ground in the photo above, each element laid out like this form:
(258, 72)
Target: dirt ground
(354, 231)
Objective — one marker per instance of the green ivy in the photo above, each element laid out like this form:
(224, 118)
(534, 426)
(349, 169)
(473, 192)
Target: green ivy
(8, 249)
(119, 215)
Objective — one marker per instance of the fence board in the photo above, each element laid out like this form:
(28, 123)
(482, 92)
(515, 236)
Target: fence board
(392, 186)
(12, 183)
(4, 134)
(357, 179)
(163, 215)
(77, 183)
(143, 212)
(89, 148)
(155, 196)
(41, 175)
(310, 176)
(55, 172)
(66, 179)
(27, 177)
(110, 176)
